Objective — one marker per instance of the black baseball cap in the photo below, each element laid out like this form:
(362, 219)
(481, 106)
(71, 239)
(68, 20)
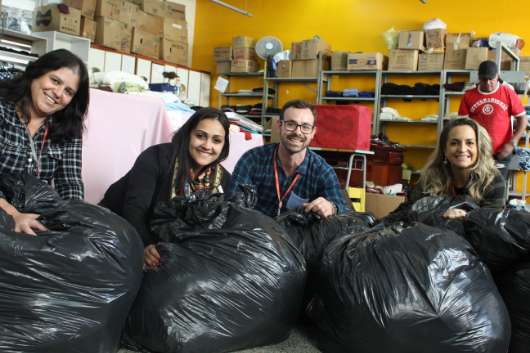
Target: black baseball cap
(487, 69)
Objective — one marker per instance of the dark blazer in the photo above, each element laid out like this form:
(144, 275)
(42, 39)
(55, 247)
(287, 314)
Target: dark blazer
(136, 194)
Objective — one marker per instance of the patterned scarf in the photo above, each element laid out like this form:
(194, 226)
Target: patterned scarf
(209, 179)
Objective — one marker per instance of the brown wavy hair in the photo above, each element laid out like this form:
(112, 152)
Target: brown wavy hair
(437, 177)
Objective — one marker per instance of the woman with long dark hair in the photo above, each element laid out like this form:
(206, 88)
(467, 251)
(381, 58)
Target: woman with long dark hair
(41, 124)
(189, 163)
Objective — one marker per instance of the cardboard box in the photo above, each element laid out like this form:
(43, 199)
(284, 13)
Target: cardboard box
(113, 34)
(283, 68)
(411, 40)
(309, 68)
(431, 61)
(127, 13)
(223, 67)
(365, 61)
(275, 129)
(474, 56)
(175, 11)
(244, 53)
(309, 49)
(175, 30)
(50, 18)
(87, 7)
(109, 9)
(174, 52)
(455, 59)
(88, 28)
(435, 39)
(152, 7)
(458, 40)
(403, 60)
(244, 66)
(506, 63)
(145, 43)
(339, 61)
(381, 205)
(222, 54)
(148, 23)
(243, 42)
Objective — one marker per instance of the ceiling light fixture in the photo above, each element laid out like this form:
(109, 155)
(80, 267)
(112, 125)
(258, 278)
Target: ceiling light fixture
(232, 7)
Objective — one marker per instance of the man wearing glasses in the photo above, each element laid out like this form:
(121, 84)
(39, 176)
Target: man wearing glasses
(491, 104)
(288, 175)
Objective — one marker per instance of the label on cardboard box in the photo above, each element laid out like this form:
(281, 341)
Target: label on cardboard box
(243, 42)
(244, 66)
(113, 34)
(411, 40)
(50, 18)
(365, 61)
(431, 61)
(244, 53)
(403, 60)
(222, 54)
(174, 52)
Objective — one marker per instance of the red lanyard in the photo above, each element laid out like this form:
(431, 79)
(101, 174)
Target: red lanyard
(277, 182)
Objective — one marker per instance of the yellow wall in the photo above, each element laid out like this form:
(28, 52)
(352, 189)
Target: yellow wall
(353, 25)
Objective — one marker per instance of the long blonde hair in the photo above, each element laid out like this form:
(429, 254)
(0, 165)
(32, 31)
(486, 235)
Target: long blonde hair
(437, 177)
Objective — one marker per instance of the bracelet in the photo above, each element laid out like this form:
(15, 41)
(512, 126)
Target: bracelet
(334, 208)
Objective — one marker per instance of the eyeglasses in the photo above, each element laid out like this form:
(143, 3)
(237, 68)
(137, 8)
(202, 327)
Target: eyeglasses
(291, 125)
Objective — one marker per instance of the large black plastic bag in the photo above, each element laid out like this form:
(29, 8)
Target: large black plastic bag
(501, 238)
(430, 210)
(67, 290)
(229, 279)
(515, 289)
(413, 290)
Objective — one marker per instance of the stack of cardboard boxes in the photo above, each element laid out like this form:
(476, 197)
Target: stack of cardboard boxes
(347, 61)
(240, 57)
(243, 54)
(154, 28)
(449, 51)
(305, 58)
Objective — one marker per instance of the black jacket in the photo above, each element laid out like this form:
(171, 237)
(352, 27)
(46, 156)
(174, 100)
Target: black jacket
(135, 195)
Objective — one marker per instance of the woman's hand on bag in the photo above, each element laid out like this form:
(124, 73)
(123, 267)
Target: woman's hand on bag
(455, 213)
(27, 223)
(151, 257)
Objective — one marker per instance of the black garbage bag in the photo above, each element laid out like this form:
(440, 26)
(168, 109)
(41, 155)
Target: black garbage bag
(68, 289)
(229, 279)
(430, 210)
(417, 289)
(514, 286)
(501, 238)
(311, 234)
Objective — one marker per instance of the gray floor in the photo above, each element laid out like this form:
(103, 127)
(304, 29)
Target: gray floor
(296, 343)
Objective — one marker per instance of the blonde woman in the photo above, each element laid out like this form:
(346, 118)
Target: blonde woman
(462, 164)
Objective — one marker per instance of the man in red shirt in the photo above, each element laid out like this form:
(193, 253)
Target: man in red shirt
(491, 103)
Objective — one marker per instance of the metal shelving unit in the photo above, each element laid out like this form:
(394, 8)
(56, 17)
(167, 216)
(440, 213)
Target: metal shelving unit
(16, 43)
(409, 97)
